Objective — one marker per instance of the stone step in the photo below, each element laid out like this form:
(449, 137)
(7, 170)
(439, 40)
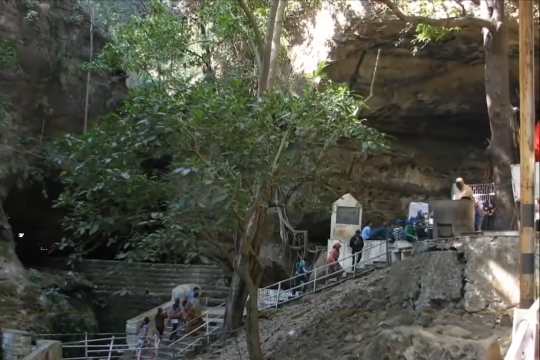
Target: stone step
(119, 283)
(161, 272)
(212, 289)
(158, 282)
(146, 267)
(162, 291)
(151, 277)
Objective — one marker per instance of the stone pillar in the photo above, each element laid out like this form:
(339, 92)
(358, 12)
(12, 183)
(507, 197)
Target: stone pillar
(46, 350)
(16, 344)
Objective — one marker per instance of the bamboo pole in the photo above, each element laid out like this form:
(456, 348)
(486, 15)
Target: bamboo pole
(527, 166)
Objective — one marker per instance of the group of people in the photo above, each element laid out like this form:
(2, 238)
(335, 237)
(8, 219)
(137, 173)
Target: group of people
(184, 317)
(415, 228)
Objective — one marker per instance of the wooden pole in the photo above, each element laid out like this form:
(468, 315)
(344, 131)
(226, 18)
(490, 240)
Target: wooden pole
(526, 92)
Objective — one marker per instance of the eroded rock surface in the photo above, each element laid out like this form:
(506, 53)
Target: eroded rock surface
(410, 311)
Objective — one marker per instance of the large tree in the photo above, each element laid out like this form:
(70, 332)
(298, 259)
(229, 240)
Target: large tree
(493, 26)
(231, 141)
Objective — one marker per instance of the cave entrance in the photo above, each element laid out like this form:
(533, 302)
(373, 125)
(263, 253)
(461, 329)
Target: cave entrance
(36, 224)
(318, 228)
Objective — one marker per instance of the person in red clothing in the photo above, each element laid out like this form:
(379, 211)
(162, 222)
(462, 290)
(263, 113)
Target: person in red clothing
(332, 259)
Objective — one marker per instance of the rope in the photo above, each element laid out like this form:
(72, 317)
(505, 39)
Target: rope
(87, 96)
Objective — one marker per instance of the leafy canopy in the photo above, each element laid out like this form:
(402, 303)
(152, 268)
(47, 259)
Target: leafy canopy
(177, 166)
(168, 169)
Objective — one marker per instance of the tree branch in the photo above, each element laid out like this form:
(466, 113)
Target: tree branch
(259, 46)
(373, 76)
(280, 150)
(460, 4)
(462, 22)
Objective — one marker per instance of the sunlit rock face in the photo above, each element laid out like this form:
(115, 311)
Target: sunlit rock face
(432, 102)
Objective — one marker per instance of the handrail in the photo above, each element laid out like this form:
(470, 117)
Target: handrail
(189, 333)
(325, 265)
(79, 334)
(94, 340)
(206, 321)
(321, 269)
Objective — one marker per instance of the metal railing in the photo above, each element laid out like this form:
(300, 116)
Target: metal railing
(102, 348)
(525, 334)
(293, 288)
(192, 338)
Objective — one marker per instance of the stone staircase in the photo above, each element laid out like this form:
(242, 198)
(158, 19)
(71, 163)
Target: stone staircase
(156, 279)
(152, 279)
(126, 289)
(191, 344)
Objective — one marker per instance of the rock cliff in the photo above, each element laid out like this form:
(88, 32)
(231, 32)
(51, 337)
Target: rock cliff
(44, 83)
(432, 102)
(43, 44)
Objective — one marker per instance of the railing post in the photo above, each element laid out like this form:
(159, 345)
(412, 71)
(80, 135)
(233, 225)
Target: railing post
(354, 256)
(111, 347)
(86, 344)
(278, 291)
(207, 325)
(314, 279)
(387, 244)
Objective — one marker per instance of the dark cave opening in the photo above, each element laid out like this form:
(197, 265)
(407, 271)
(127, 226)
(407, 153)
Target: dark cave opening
(318, 227)
(35, 223)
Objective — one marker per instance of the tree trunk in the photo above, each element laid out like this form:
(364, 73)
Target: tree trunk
(502, 148)
(267, 48)
(247, 276)
(252, 326)
(275, 44)
(236, 301)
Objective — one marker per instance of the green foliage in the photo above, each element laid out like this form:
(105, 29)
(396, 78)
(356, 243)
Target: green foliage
(220, 141)
(8, 55)
(427, 34)
(176, 168)
(152, 47)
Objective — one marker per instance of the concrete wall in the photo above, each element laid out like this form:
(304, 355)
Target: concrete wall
(491, 270)
(459, 213)
(16, 344)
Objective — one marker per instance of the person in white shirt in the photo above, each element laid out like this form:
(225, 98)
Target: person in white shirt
(464, 190)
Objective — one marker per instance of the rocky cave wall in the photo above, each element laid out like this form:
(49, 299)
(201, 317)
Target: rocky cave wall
(44, 89)
(432, 104)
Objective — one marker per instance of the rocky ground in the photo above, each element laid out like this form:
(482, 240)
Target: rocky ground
(412, 311)
(48, 303)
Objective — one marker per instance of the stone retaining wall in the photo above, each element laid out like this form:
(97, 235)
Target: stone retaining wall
(16, 344)
(491, 270)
